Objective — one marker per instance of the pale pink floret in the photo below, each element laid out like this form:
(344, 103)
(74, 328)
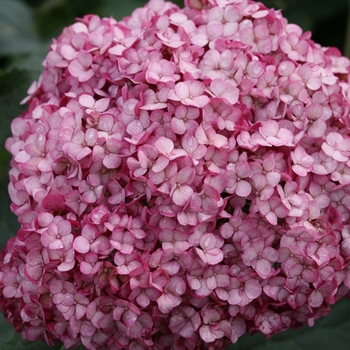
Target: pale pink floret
(216, 65)
(337, 147)
(58, 235)
(292, 44)
(242, 293)
(153, 101)
(302, 161)
(63, 292)
(184, 119)
(181, 191)
(190, 93)
(237, 181)
(166, 147)
(268, 322)
(211, 330)
(271, 134)
(221, 88)
(172, 295)
(273, 209)
(208, 251)
(37, 153)
(12, 283)
(185, 321)
(162, 71)
(89, 102)
(78, 147)
(84, 243)
(294, 202)
(80, 67)
(260, 258)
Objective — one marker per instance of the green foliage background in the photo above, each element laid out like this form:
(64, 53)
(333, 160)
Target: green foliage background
(26, 29)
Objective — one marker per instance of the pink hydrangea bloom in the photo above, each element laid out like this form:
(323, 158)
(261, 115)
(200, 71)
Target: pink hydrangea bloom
(181, 177)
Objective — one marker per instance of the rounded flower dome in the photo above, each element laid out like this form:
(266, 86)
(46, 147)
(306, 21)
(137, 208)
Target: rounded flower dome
(181, 177)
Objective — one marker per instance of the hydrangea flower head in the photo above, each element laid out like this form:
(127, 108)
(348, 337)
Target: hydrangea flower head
(181, 177)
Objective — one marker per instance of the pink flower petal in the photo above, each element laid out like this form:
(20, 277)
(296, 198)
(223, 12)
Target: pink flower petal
(81, 245)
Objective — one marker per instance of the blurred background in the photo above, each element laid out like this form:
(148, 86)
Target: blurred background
(26, 30)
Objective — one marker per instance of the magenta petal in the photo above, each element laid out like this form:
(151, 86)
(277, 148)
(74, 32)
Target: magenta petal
(182, 195)
(160, 164)
(206, 334)
(263, 268)
(75, 68)
(56, 244)
(81, 245)
(111, 161)
(248, 255)
(214, 256)
(166, 302)
(243, 188)
(252, 289)
(10, 291)
(86, 100)
(315, 299)
(85, 76)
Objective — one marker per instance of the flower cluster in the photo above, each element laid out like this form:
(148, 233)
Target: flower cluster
(181, 177)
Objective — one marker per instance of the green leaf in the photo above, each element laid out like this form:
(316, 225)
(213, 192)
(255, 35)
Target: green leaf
(11, 340)
(17, 35)
(307, 13)
(8, 221)
(16, 342)
(31, 64)
(53, 15)
(13, 86)
(6, 331)
(329, 332)
(119, 9)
